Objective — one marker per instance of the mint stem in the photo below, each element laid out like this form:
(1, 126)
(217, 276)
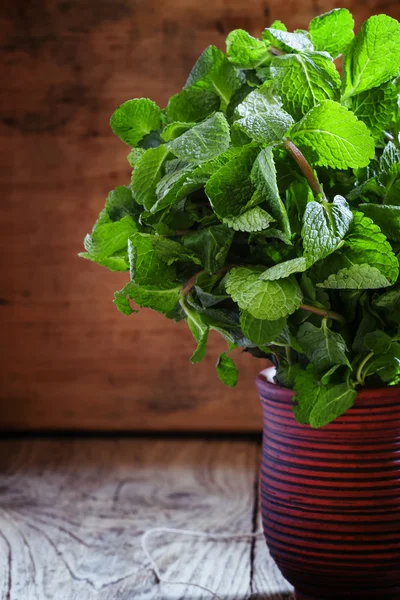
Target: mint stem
(359, 376)
(326, 314)
(305, 167)
(189, 285)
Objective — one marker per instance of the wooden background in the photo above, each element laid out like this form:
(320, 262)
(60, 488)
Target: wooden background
(68, 358)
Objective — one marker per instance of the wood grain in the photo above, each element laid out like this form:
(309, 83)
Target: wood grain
(73, 511)
(69, 360)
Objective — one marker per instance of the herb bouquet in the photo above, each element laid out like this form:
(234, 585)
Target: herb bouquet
(265, 204)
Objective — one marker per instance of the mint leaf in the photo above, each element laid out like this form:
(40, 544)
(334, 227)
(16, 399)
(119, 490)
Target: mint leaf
(120, 203)
(377, 108)
(333, 31)
(378, 341)
(192, 104)
(121, 301)
(147, 263)
(386, 217)
(263, 176)
(227, 370)
(107, 245)
(245, 51)
(203, 142)
(323, 347)
(332, 403)
(230, 188)
(134, 119)
(324, 227)
(147, 174)
(211, 245)
(373, 56)
(134, 156)
(286, 41)
(386, 365)
(169, 186)
(175, 129)
(214, 72)
(284, 269)
(162, 297)
(335, 136)
(390, 156)
(307, 390)
(304, 80)
(199, 329)
(261, 116)
(356, 277)
(366, 244)
(170, 251)
(263, 299)
(260, 331)
(255, 219)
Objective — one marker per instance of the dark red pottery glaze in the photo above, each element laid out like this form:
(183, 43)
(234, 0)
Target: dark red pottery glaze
(330, 497)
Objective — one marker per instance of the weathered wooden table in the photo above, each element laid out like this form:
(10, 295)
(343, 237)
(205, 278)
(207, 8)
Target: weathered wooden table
(72, 513)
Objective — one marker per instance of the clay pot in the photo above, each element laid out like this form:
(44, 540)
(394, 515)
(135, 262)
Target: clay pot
(330, 497)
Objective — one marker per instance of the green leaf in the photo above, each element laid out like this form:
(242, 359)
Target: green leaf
(335, 136)
(171, 251)
(284, 269)
(192, 104)
(227, 370)
(333, 31)
(263, 299)
(366, 244)
(107, 245)
(385, 365)
(120, 203)
(324, 227)
(378, 341)
(262, 117)
(175, 129)
(203, 142)
(116, 262)
(356, 277)
(263, 176)
(307, 390)
(390, 156)
(214, 72)
(304, 80)
(134, 156)
(286, 41)
(169, 186)
(377, 108)
(211, 245)
(147, 174)
(245, 51)
(199, 329)
(162, 297)
(134, 119)
(121, 301)
(373, 56)
(261, 331)
(332, 403)
(255, 219)
(323, 347)
(148, 264)
(230, 188)
(386, 217)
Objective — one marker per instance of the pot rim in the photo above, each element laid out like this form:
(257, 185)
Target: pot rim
(286, 393)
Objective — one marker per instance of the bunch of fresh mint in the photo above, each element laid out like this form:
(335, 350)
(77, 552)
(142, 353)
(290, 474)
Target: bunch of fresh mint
(265, 204)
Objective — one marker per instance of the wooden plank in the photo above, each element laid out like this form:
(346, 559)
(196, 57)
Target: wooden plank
(73, 511)
(68, 359)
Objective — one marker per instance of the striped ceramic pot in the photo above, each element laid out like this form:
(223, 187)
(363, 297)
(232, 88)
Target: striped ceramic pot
(331, 497)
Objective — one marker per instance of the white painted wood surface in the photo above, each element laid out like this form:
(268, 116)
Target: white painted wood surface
(72, 513)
